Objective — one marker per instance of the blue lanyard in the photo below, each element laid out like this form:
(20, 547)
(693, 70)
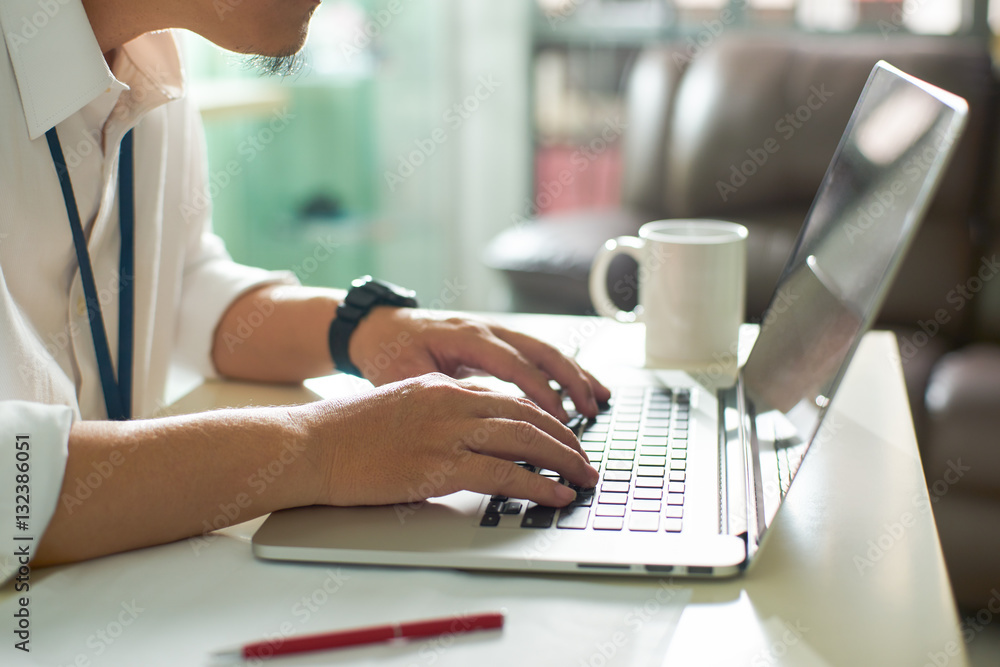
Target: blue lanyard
(117, 391)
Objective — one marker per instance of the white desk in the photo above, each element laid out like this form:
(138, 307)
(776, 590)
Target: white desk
(174, 604)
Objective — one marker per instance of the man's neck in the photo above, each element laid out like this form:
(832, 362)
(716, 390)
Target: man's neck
(116, 22)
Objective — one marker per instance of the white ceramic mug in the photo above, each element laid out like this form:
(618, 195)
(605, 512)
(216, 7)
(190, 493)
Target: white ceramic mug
(692, 289)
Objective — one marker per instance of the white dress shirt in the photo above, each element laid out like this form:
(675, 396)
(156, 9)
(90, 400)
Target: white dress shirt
(52, 73)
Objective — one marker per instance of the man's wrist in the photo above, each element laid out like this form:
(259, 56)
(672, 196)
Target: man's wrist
(365, 295)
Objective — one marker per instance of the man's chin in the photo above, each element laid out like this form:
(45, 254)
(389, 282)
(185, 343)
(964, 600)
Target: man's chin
(276, 65)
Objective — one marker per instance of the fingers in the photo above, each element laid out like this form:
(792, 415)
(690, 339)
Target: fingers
(499, 358)
(582, 387)
(520, 431)
(490, 475)
(530, 417)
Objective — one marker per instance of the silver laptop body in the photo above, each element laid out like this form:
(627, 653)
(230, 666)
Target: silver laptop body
(737, 449)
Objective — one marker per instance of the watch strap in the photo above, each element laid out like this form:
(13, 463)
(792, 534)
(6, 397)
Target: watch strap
(365, 294)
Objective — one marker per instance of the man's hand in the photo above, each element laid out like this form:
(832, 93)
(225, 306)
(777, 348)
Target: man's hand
(391, 344)
(384, 446)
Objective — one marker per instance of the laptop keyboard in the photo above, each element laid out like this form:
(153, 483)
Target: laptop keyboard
(639, 446)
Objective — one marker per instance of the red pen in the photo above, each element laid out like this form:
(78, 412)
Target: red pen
(323, 641)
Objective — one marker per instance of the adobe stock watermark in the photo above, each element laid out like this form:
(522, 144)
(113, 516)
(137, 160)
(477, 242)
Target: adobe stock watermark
(970, 627)
(436, 480)
(32, 25)
(605, 652)
(454, 117)
(104, 638)
(895, 531)
(900, 13)
(371, 29)
(558, 15)
(886, 199)
(302, 611)
(373, 366)
(548, 192)
(774, 654)
(711, 30)
(230, 513)
(958, 298)
(249, 150)
(58, 341)
(102, 471)
(786, 126)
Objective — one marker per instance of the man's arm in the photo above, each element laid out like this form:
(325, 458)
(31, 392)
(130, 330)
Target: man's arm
(166, 479)
(279, 334)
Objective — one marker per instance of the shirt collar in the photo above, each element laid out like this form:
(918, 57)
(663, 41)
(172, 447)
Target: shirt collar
(60, 68)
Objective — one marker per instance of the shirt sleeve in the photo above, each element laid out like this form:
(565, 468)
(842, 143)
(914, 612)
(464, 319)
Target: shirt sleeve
(34, 441)
(212, 280)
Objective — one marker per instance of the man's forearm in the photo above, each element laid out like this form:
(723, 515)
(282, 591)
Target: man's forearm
(134, 484)
(277, 333)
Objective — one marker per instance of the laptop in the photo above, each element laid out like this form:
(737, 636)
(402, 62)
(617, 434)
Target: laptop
(692, 475)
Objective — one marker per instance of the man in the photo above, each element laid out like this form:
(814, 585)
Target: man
(76, 77)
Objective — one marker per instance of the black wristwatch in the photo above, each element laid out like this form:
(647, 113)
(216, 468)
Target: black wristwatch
(365, 294)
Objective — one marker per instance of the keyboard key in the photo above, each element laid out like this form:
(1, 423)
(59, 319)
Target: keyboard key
(619, 465)
(679, 454)
(645, 505)
(584, 498)
(650, 471)
(677, 475)
(648, 494)
(680, 444)
(623, 426)
(612, 498)
(596, 427)
(659, 440)
(591, 436)
(674, 512)
(654, 432)
(675, 498)
(610, 510)
(538, 516)
(493, 507)
(500, 498)
(678, 465)
(680, 435)
(490, 519)
(649, 482)
(617, 475)
(672, 525)
(618, 434)
(621, 455)
(676, 487)
(644, 521)
(595, 457)
(615, 487)
(652, 460)
(511, 507)
(608, 523)
(650, 450)
(551, 474)
(628, 445)
(657, 423)
(658, 413)
(573, 517)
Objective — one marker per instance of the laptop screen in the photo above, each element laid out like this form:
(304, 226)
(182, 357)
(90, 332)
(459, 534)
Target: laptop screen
(869, 205)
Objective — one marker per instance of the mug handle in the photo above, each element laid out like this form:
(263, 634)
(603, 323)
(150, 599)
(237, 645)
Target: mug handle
(628, 245)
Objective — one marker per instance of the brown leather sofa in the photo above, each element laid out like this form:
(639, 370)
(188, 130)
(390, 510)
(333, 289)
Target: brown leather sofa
(692, 124)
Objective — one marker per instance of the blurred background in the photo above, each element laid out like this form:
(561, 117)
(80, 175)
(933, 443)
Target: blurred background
(419, 129)
(457, 146)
